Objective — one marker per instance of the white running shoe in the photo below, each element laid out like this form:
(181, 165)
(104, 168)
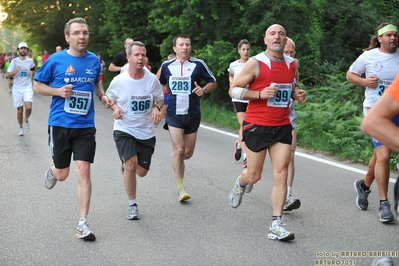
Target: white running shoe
(26, 126)
(21, 132)
(133, 213)
(248, 188)
(291, 203)
(83, 232)
(277, 231)
(49, 179)
(182, 194)
(235, 196)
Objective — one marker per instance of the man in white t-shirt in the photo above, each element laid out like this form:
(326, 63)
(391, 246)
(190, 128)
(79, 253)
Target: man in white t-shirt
(379, 63)
(138, 99)
(21, 71)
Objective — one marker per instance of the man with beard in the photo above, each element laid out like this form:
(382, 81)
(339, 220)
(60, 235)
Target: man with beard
(379, 64)
(21, 70)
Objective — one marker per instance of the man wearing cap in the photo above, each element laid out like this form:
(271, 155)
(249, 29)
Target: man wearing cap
(379, 63)
(21, 70)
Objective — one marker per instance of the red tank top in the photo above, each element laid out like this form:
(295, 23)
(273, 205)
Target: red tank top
(271, 112)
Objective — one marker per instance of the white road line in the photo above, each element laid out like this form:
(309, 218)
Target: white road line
(304, 155)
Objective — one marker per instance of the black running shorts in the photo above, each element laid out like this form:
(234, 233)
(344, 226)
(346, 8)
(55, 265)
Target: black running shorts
(65, 141)
(128, 146)
(258, 138)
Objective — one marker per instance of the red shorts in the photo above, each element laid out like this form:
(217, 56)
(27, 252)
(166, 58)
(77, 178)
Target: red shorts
(102, 77)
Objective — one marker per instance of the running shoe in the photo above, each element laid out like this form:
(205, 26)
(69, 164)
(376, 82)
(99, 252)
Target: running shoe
(165, 126)
(83, 232)
(291, 203)
(235, 196)
(133, 213)
(26, 126)
(277, 231)
(385, 213)
(244, 163)
(361, 199)
(182, 193)
(248, 188)
(237, 151)
(21, 132)
(49, 179)
(382, 261)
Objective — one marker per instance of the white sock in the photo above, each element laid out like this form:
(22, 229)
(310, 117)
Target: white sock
(131, 202)
(289, 190)
(239, 145)
(83, 220)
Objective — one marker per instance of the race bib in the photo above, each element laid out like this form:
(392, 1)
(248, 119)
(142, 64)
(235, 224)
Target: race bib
(381, 88)
(282, 99)
(23, 74)
(180, 85)
(78, 103)
(140, 104)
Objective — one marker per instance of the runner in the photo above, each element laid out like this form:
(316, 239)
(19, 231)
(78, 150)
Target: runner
(378, 63)
(240, 106)
(292, 203)
(266, 127)
(379, 123)
(139, 99)
(21, 70)
(182, 77)
(71, 77)
(120, 59)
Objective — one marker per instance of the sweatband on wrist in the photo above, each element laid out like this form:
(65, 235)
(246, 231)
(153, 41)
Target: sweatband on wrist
(238, 93)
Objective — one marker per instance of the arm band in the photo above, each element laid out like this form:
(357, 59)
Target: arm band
(238, 93)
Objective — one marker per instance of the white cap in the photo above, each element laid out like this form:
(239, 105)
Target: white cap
(22, 44)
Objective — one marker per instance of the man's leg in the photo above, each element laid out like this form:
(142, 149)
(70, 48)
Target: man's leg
(183, 149)
(382, 178)
(84, 196)
(249, 176)
(20, 111)
(291, 203)
(28, 111)
(130, 182)
(369, 177)
(84, 187)
(280, 155)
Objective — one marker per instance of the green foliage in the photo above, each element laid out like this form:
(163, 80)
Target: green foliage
(44, 21)
(221, 117)
(329, 36)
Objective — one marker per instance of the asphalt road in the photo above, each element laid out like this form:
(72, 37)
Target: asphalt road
(37, 226)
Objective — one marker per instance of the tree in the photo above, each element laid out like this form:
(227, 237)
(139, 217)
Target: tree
(44, 21)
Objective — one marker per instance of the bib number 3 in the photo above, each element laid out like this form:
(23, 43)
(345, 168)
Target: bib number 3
(78, 103)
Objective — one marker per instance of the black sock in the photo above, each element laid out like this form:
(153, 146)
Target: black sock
(381, 201)
(363, 186)
(276, 217)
